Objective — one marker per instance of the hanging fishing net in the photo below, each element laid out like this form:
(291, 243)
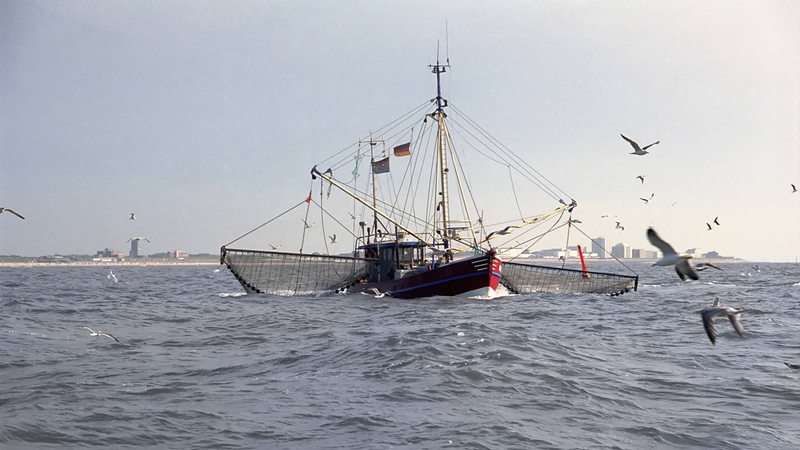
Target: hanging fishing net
(288, 274)
(529, 278)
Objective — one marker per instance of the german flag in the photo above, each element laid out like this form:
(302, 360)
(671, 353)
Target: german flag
(403, 150)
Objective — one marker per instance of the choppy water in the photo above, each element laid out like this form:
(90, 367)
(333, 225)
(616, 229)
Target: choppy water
(201, 367)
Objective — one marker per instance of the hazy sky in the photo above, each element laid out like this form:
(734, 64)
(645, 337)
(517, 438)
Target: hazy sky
(205, 117)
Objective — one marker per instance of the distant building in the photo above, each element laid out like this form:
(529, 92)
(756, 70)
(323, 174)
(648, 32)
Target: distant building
(621, 251)
(177, 254)
(714, 255)
(644, 253)
(548, 253)
(134, 253)
(109, 254)
(54, 259)
(599, 247)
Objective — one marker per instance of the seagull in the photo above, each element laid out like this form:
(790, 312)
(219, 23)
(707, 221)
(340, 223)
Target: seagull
(306, 224)
(275, 246)
(332, 238)
(794, 189)
(671, 257)
(716, 220)
(703, 266)
(2, 210)
(638, 150)
(132, 217)
(571, 221)
(641, 177)
(138, 239)
(792, 366)
(111, 276)
(709, 226)
(646, 200)
(619, 226)
(100, 333)
(717, 310)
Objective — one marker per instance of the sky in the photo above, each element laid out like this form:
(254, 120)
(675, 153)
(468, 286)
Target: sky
(205, 117)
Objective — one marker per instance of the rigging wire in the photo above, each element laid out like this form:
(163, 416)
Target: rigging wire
(508, 151)
(500, 160)
(514, 190)
(269, 221)
(322, 215)
(306, 226)
(535, 240)
(606, 252)
(566, 244)
(342, 160)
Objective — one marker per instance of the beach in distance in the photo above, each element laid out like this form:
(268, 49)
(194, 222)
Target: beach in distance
(111, 264)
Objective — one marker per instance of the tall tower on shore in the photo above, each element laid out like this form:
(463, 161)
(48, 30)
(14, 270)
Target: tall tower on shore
(134, 253)
(599, 247)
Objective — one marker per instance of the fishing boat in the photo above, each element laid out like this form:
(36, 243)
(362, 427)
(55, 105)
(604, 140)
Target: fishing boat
(413, 225)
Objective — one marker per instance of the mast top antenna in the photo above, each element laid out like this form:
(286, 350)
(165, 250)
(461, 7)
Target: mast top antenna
(438, 69)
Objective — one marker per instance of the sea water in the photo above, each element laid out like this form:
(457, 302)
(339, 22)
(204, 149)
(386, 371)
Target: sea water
(199, 365)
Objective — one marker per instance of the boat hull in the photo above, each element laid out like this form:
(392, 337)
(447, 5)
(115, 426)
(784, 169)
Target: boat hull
(481, 274)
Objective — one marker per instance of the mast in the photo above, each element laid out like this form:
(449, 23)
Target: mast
(441, 142)
(372, 144)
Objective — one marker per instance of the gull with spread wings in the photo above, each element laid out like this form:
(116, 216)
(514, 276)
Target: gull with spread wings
(2, 210)
(671, 257)
(712, 312)
(637, 150)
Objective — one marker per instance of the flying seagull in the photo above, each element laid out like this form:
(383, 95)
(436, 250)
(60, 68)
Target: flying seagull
(619, 226)
(671, 257)
(646, 200)
(709, 226)
(332, 238)
(275, 246)
(703, 266)
(132, 217)
(641, 177)
(138, 239)
(111, 276)
(712, 312)
(100, 333)
(716, 220)
(792, 366)
(794, 189)
(638, 150)
(2, 210)
(306, 224)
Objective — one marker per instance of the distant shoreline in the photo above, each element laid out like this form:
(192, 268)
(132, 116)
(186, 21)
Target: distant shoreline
(109, 264)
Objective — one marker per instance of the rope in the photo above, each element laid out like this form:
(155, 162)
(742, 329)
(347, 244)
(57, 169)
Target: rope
(566, 244)
(267, 222)
(604, 250)
(305, 222)
(514, 190)
(542, 235)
